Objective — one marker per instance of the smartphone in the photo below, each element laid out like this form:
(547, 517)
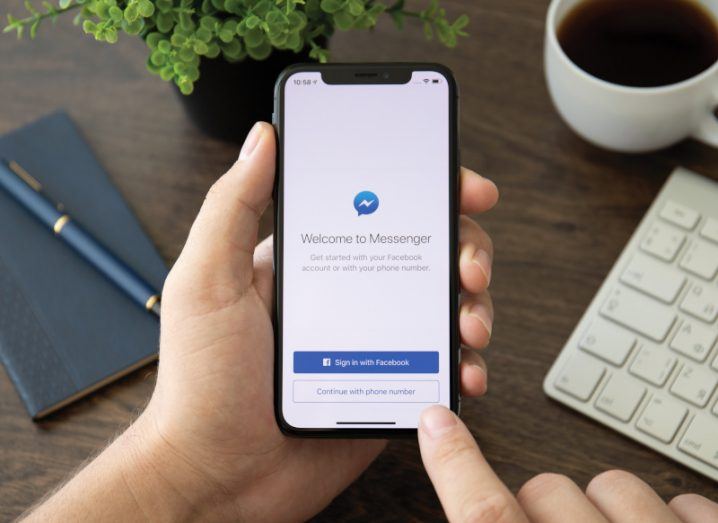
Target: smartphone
(366, 217)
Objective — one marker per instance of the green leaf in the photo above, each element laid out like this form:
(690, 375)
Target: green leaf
(147, 9)
(200, 47)
(344, 20)
(262, 7)
(232, 50)
(445, 34)
(64, 4)
(153, 39)
(163, 5)
(33, 29)
(233, 6)
(158, 58)
(254, 37)
(115, 13)
(297, 20)
(193, 74)
(177, 39)
(428, 31)
(252, 21)
(332, 6)
(30, 8)
(209, 23)
(226, 36)
(205, 35)
(131, 13)
(167, 73)
(133, 28)
(356, 7)
(165, 22)
(186, 87)
(319, 54)
(261, 51)
(186, 54)
(295, 42)
(213, 51)
(461, 22)
(430, 11)
(111, 35)
(186, 22)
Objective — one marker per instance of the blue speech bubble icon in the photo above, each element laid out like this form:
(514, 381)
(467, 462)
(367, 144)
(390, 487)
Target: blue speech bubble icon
(366, 202)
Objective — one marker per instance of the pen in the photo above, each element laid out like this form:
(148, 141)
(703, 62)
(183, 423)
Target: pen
(27, 191)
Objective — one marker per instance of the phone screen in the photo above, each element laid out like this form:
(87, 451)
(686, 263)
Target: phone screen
(366, 251)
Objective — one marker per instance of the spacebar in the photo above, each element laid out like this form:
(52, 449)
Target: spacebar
(639, 313)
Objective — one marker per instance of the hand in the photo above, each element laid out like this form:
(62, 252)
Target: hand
(211, 418)
(470, 491)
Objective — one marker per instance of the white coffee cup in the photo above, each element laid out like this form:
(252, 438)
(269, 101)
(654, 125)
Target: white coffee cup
(628, 119)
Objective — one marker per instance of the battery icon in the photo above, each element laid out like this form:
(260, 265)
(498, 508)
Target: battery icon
(435, 81)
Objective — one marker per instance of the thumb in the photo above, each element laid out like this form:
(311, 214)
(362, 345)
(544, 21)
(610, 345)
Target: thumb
(467, 487)
(219, 250)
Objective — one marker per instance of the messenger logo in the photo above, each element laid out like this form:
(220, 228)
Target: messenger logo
(366, 202)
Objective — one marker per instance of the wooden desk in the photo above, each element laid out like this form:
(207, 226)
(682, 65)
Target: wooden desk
(566, 211)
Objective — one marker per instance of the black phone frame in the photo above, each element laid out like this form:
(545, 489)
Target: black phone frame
(365, 73)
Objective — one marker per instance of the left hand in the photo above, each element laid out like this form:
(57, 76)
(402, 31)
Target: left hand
(210, 422)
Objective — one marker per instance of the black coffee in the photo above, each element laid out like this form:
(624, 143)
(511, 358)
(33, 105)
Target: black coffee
(640, 43)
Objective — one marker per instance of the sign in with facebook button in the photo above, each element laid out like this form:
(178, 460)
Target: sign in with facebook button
(366, 362)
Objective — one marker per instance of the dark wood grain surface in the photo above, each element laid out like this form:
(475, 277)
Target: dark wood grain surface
(566, 210)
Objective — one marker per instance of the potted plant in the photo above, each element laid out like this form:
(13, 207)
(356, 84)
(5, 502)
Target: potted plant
(224, 55)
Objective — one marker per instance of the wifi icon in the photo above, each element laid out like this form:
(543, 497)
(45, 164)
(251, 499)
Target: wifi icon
(426, 80)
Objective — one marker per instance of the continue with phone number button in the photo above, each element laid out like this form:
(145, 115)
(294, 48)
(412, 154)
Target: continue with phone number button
(318, 391)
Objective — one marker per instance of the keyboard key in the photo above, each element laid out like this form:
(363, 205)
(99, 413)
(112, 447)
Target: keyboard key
(662, 418)
(609, 342)
(695, 384)
(701, 258)
(710, 230)
(580, 377)
(663, 241)
(653, 364)
(620, 397)
(639, 313)
(702, 302)
(694, 339)
(653, 278)
(679, 215)
(701, 440)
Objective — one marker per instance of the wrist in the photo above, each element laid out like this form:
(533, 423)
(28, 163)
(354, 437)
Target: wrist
(165, 484)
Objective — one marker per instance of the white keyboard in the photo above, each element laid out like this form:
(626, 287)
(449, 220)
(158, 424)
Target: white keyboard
(644, 358)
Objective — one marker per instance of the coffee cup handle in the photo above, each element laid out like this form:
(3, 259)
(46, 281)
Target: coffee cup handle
(707, 131)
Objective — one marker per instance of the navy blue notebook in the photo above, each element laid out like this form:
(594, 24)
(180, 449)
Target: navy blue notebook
(64, 329)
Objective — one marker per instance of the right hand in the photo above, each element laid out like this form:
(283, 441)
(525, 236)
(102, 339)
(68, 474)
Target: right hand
(471, 492)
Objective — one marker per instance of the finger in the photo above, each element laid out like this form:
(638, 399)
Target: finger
(475, 255)
(467, 487)
(221, 243)
(551, 498)
(476, 319)
(474, 374)
(692, 508)
(478, 194)
(621, 496)
(264, 270)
